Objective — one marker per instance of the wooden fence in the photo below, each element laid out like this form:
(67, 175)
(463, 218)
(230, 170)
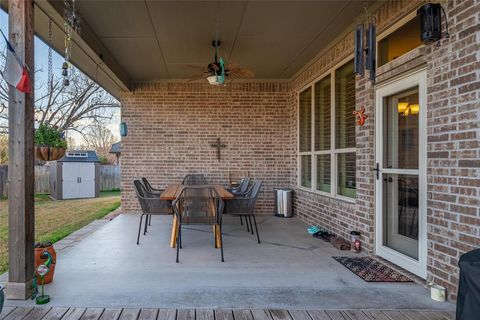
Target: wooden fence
(109, 175)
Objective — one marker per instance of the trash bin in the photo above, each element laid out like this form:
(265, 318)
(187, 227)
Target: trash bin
(468, 299)
(283, 203)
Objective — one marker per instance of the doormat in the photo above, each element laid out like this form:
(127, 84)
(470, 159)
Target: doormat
(371, 270)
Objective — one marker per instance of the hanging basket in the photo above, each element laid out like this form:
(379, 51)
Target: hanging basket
(48, 153)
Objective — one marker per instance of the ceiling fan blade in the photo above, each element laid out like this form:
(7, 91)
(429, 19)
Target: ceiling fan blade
(232, 65)
(242, 73)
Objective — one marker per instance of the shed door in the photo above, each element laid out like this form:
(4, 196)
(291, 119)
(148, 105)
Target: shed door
(86, 173)
(70, 180)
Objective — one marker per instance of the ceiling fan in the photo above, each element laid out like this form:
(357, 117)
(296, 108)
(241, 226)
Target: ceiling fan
(217, 71)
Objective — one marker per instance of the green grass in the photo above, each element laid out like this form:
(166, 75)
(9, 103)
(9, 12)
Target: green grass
(54, 220)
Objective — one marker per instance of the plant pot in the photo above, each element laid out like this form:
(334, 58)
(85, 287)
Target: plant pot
(48, 153)
(39, 261)
(2, 298)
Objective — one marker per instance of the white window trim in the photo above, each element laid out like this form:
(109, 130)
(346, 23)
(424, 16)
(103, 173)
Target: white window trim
(332, 151)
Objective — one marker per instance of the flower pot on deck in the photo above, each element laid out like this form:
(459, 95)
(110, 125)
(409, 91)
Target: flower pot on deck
(39, 249)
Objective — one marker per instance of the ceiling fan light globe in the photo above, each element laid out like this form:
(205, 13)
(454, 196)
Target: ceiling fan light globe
(213, 80)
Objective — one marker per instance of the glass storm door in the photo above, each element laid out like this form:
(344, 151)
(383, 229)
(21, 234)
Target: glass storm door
(400, 173)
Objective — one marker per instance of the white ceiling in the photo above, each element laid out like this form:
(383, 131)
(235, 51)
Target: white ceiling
(154, 40)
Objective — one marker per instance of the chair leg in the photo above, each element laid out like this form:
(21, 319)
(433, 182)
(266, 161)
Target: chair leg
(150, 221)
(221, 242)
(139, 229)
(146, 224)
(246, 222)
(250, 220)
(178, 239)
(256, 228)
(241, 221)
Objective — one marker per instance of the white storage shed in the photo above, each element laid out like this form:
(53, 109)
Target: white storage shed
(75, 176)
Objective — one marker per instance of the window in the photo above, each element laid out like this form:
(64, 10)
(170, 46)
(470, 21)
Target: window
(327, 157)
(399, 42)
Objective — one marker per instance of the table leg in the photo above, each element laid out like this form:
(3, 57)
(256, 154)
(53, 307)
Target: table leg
(173, 237)
(216, 231)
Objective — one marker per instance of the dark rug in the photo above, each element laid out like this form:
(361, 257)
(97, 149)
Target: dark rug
(371, 270)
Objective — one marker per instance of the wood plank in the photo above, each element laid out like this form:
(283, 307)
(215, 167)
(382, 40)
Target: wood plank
(395, 315)
(6, 311)
(186, 314)
(336, 315)
(111, 314)
(356, 315)
(148, 314)
(204, 314)
(21, 170)
(170, 193)
(318, 315)
(414, 315)
(167, 314)
(239, 314)
(129, 314)
(376, 315)
(299, 315)
(449, 314)
(92, 314)
(37, 313)
(18, 313)
(280, 314)
(223, 193)
(55, 313)
(223, 314)
(74, 314)
(260, 314)
(425, 315)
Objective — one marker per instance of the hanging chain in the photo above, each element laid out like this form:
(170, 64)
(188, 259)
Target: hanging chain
(70, 25)
(50, 59)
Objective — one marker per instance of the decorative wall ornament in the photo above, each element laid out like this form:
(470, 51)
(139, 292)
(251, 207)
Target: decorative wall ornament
(361, 116)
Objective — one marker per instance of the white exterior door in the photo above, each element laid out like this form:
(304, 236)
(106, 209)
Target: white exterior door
(78, 180)
(401, 223)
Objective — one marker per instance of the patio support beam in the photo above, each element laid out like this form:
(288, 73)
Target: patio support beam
(21, 231)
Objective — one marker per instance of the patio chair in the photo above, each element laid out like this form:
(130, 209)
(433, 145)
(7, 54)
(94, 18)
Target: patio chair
(150, 204)
(245, 206)
(152, 191)
(198, 205)
(240, 188)
(194, 180)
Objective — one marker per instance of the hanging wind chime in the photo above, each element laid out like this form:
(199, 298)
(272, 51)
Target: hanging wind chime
(71, 22)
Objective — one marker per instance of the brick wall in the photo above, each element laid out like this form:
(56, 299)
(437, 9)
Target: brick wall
(171, 127)
(454, 143)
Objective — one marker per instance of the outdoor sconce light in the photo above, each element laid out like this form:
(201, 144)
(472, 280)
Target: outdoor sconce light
(405, 109)
(123, 129)
(431, 22)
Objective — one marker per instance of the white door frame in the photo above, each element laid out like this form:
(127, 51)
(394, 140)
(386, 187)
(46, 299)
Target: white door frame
(416, 78)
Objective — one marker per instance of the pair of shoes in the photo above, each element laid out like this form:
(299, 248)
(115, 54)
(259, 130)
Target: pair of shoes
(314, 230)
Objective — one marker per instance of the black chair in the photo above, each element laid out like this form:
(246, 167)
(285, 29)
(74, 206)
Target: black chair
(150, 204)
(152, 191)
(194, 180)
(198, 205)
(245, 206)
(241, 188)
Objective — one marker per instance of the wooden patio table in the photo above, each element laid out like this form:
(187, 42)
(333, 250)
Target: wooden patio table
(171, 193)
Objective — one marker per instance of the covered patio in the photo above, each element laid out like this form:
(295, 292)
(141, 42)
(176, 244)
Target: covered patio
(389, 151)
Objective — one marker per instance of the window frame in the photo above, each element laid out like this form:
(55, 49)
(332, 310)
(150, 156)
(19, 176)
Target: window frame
(333, 152)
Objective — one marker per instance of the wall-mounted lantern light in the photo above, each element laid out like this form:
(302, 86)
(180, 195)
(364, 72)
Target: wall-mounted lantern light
(123, 129)
(431, 22)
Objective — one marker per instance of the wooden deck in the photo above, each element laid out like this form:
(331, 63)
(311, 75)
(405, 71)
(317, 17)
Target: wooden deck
(59, 313)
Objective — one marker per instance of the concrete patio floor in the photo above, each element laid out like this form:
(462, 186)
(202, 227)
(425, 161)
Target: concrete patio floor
(288, 270)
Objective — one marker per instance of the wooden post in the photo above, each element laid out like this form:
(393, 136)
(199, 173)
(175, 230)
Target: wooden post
(21, 159)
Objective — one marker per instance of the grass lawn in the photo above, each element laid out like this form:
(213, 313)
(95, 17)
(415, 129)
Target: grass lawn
(55, 220)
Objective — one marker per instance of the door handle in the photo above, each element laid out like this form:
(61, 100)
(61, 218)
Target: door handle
(377, 169)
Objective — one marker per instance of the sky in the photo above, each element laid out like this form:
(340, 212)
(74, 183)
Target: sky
(41, 65)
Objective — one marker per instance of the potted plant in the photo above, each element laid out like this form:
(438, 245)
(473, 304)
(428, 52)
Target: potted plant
(40, 247)
(50, 143)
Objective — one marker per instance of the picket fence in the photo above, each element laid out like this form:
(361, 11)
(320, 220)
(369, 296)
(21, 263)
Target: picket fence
(109, 175)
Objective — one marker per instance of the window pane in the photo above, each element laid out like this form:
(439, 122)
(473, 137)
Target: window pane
(306, 174)
(400, 125)
(323, 173)
(345, 105)
(322, 114)
(346, 168)
(305, 113)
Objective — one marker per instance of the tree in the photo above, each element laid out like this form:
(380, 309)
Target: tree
(75, 107)
(100, 139)
(3, 149)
